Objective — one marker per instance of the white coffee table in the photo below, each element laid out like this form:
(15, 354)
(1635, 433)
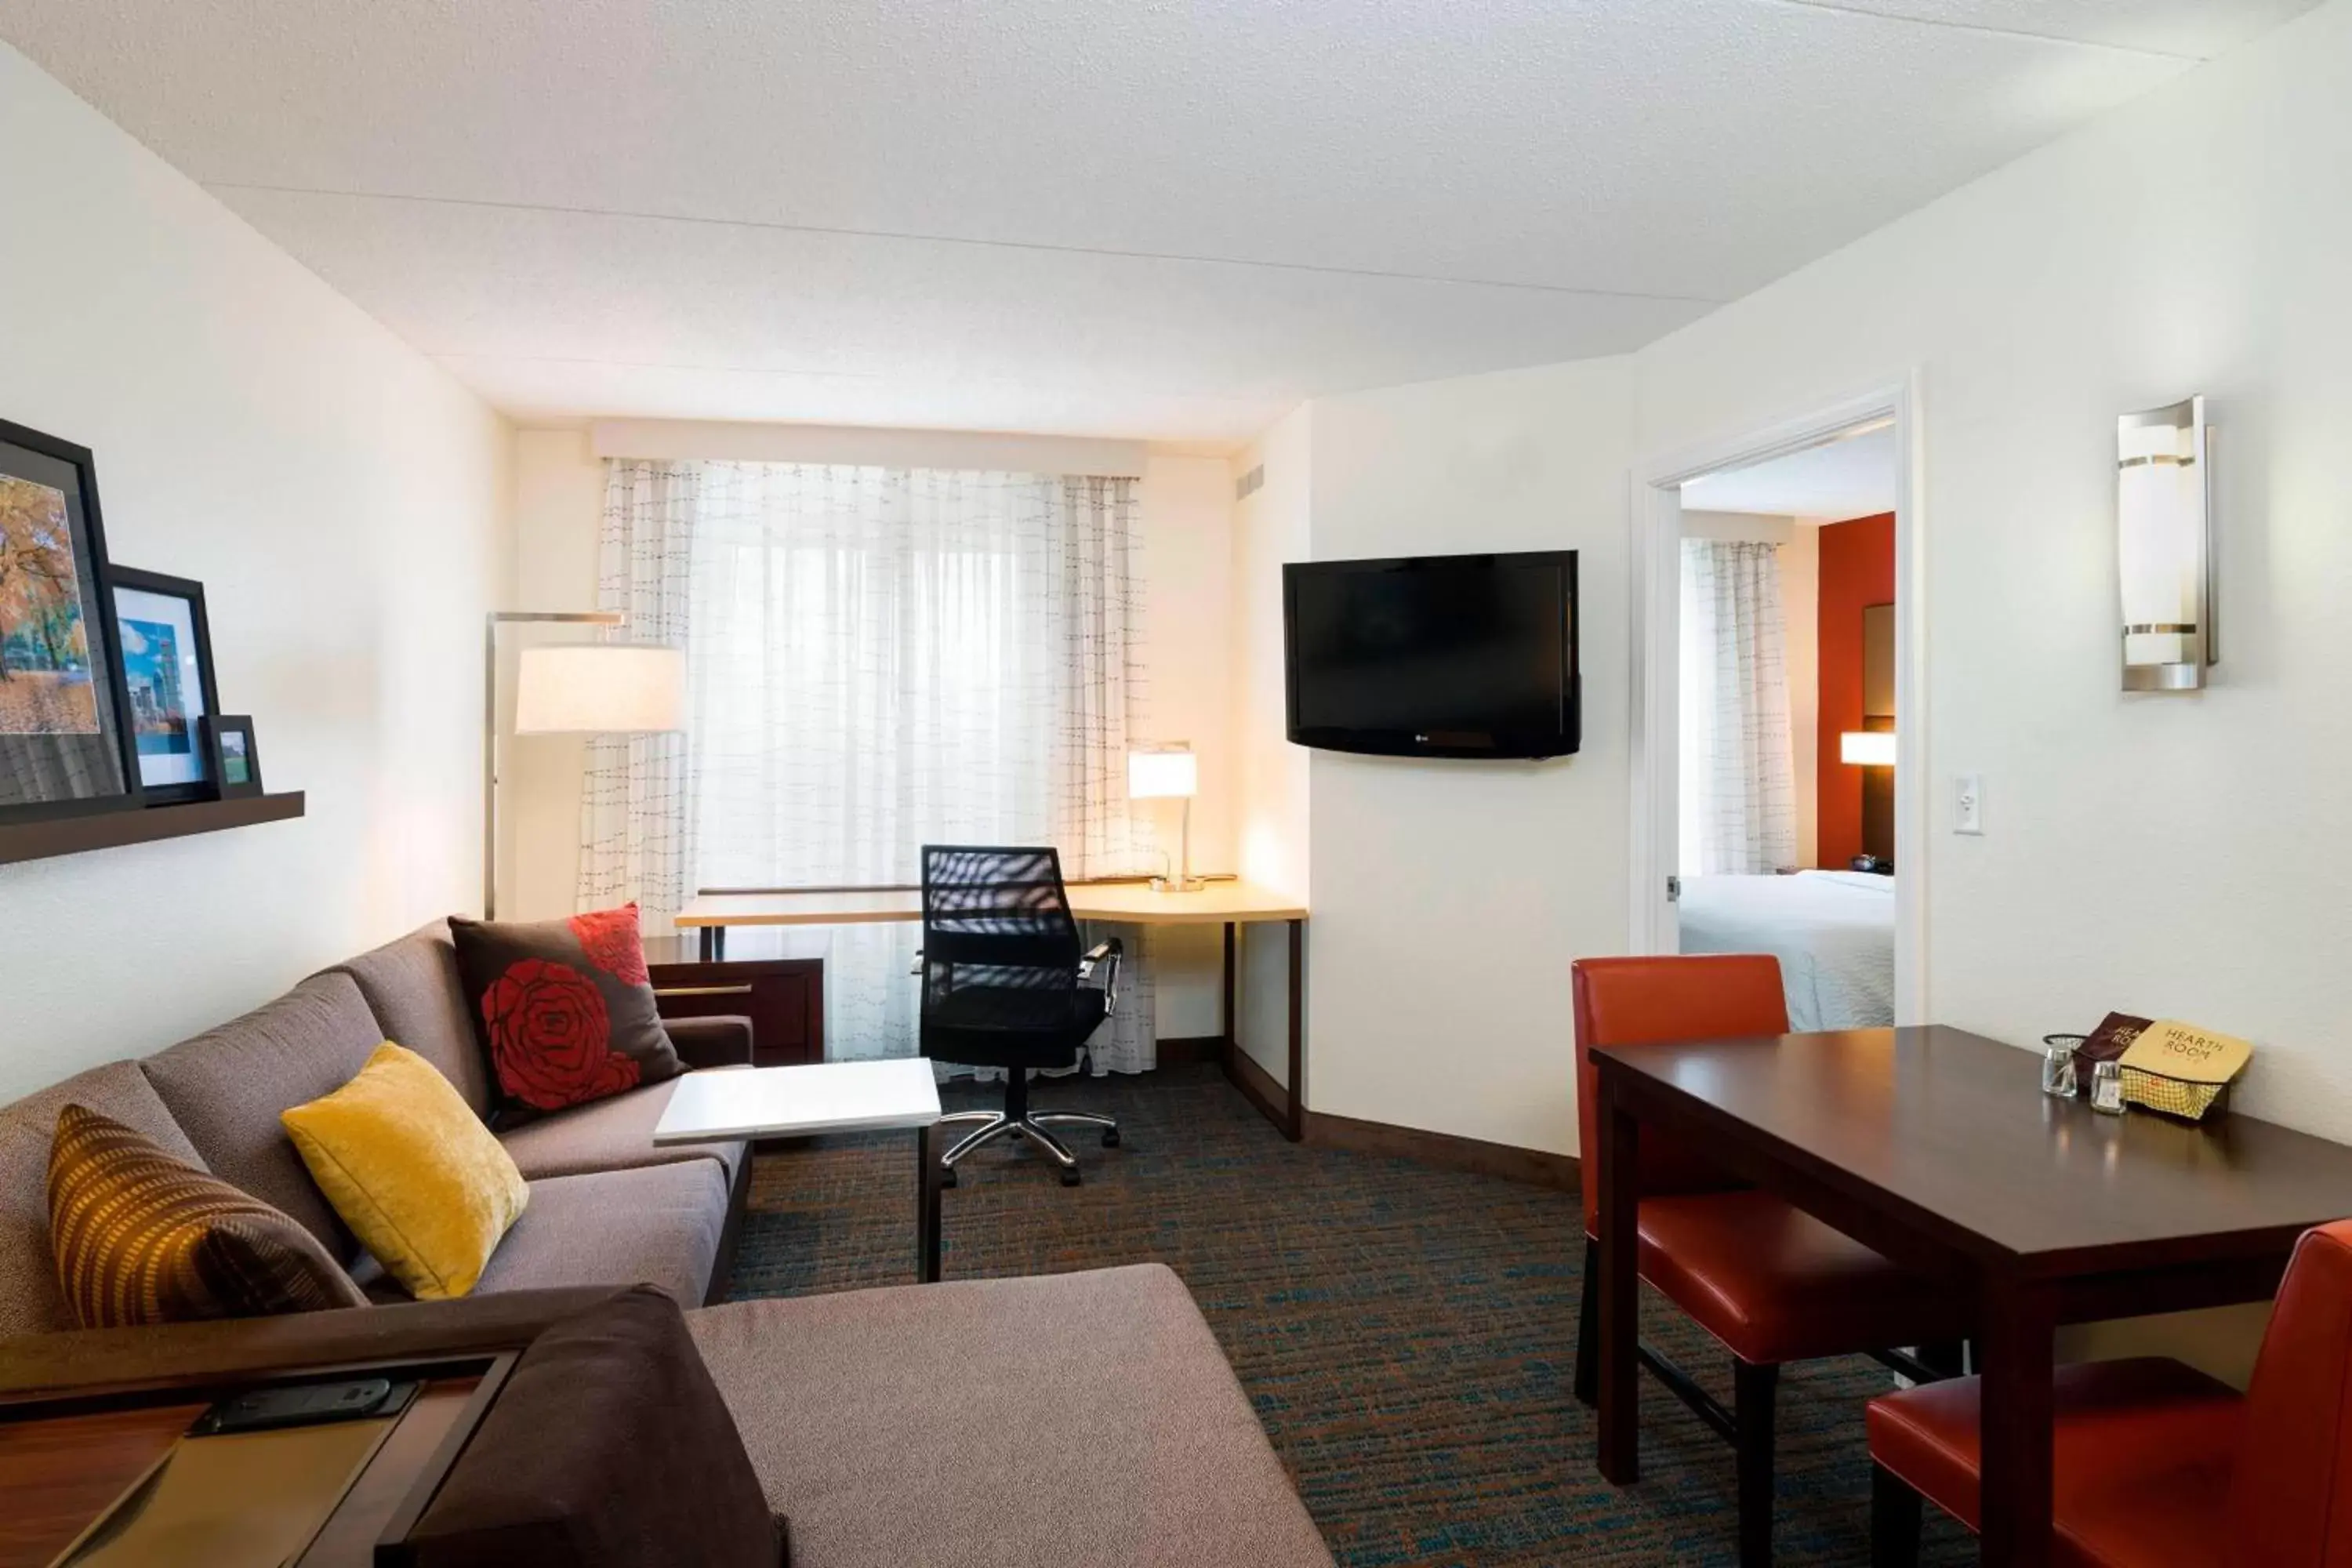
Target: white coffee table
(828, 1097)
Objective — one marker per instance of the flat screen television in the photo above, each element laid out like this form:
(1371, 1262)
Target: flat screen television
(1434, 656)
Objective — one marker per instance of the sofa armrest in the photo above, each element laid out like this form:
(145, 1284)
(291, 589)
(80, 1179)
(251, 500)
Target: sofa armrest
(78, 1361)
(720, 1042)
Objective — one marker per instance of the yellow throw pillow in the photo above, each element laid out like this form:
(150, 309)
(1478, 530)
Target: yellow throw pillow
(413, 1171)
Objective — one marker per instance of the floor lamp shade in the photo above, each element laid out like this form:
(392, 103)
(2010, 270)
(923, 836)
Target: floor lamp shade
(600, 689)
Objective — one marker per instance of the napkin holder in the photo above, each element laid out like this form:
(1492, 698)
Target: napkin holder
(2182, 1070)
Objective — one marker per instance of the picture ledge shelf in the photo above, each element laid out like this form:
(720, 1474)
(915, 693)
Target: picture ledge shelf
(112, 829)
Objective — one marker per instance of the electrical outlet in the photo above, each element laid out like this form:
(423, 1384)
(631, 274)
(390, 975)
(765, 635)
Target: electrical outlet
(1967, 803)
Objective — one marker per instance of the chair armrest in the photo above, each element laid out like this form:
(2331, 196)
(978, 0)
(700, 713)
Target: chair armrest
(1108, 951)
(720, 1042)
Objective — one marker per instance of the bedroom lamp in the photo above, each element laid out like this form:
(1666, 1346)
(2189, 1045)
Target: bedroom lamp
(572, 688)
(1168, 772)
(1866, 748)
(2164, 547)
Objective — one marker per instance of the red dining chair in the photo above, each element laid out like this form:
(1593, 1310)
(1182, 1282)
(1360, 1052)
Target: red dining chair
(2155, 1465)
(1769, 1281)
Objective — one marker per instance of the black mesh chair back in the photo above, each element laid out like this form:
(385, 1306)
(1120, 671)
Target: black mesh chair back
(1000, 960)
(1004, 985)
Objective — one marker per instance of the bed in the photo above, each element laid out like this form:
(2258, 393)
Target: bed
(1833, 933)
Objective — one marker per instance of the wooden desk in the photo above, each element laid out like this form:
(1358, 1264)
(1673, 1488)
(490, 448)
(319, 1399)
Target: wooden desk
(1229, 903)
(1937, 1148)
(774, 976)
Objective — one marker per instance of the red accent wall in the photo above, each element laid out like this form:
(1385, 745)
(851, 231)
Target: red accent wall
(1857, 571)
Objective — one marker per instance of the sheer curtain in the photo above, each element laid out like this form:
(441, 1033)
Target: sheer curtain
(637, 803)
(1738, 806)
(878, 660)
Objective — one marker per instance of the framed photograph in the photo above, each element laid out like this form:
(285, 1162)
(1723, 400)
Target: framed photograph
(229, 750)
(167, 676)
(65, 723)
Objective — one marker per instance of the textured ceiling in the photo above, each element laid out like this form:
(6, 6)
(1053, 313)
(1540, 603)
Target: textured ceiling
(1854, 476)
(1169, 220)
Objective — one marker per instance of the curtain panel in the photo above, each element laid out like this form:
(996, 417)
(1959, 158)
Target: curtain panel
(877, 659)
(637, 797)
(1738, 806)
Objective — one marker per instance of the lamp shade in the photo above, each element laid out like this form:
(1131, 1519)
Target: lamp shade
(1867, 748)
(600, 689)
(1162, 772)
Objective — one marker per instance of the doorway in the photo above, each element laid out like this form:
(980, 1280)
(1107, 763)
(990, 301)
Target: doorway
(1780, 797)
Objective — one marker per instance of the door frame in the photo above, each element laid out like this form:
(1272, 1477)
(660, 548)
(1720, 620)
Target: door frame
(1655, 520)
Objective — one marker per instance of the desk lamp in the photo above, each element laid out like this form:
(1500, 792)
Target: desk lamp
(1168, 772)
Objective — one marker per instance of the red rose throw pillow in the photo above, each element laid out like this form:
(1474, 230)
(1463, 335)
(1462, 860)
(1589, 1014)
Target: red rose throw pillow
(565, 1009)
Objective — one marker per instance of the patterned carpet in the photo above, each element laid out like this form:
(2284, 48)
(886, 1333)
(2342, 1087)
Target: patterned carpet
(1407, 1334)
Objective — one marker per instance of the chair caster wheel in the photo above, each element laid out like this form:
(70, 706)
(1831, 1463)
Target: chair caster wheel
(947, 1177)
(1111, 1139)
(1069, 1178)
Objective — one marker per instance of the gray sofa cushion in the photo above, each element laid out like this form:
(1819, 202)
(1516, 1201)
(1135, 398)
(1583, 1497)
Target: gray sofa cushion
(1112, 1374)
(615, 1134)
(227, 1086)
(657, 1225)
(30, 1302)
(412, 987)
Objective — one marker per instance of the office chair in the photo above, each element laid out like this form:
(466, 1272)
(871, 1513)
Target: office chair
(1004, 985)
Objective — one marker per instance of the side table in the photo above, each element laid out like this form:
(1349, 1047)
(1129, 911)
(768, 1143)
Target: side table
(825, 1096)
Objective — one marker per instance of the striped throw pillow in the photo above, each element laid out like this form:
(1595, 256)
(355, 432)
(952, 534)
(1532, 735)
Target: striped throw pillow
(142, 1237)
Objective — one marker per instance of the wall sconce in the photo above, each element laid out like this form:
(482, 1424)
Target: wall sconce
(2164, 547)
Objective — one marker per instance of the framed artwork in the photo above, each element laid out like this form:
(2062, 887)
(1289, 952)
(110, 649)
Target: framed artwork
(234, 762)
(167, 677)
(65, 723)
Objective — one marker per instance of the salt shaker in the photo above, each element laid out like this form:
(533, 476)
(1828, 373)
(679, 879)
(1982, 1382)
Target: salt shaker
(2058, 1071)
(2107, 1088)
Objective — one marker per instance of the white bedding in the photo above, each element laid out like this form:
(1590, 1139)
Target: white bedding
(1833, 933)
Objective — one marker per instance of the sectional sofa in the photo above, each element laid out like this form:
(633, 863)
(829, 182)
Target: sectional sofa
(1078, 1419)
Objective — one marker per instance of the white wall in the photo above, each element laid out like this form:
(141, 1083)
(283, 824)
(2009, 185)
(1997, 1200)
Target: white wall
(1183, 520)
(1799, 562)
(1185, 507)
(559, 507)
(1271, 783)
(2164, 855)
(1450, 897)
(2192, 242)
(342, 501)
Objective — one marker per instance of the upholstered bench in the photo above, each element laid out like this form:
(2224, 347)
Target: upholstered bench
(1061, 1421)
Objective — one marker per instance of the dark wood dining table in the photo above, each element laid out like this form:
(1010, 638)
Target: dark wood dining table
(1937, 1148)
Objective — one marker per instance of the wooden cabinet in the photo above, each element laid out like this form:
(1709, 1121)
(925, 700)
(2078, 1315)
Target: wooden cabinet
(774, 977)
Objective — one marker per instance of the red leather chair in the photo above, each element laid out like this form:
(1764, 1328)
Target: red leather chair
(2156, 1465)
(1768, 1281)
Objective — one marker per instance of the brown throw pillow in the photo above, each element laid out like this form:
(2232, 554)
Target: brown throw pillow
(565, 1009)
(610, 1447)
(143, 1237)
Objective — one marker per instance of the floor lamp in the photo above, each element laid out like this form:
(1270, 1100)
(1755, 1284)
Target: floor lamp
(572, 688)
